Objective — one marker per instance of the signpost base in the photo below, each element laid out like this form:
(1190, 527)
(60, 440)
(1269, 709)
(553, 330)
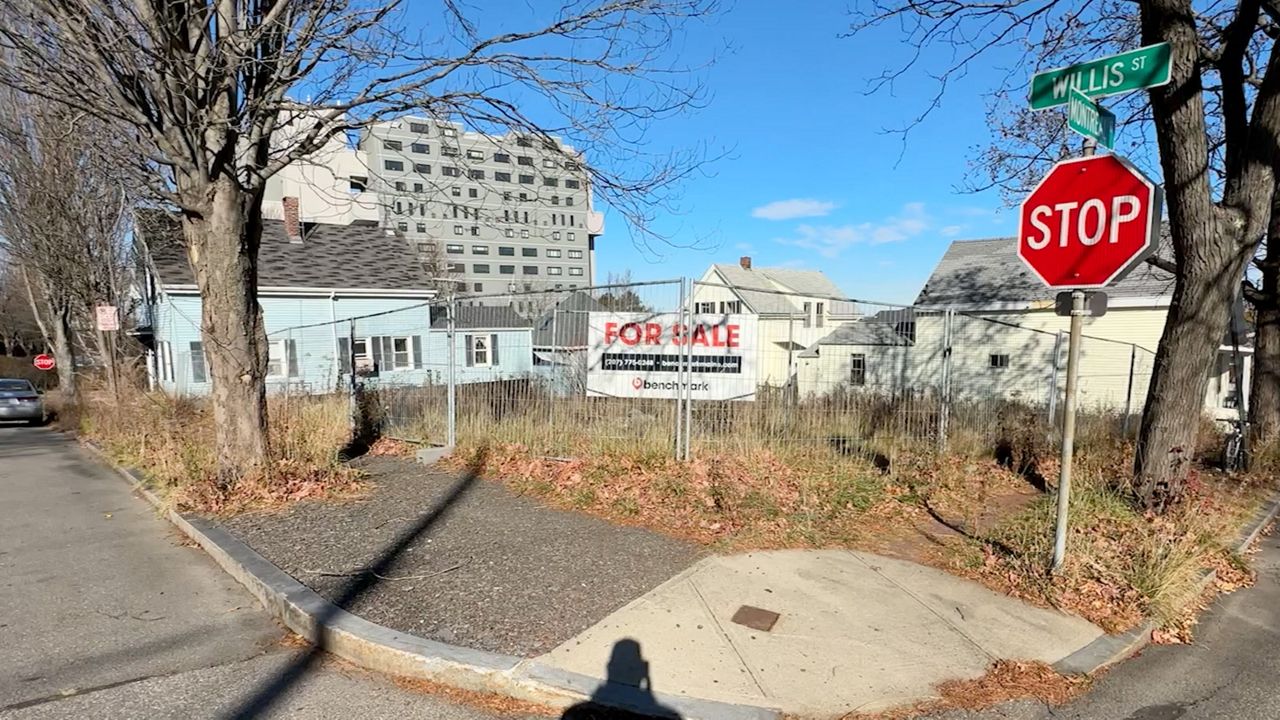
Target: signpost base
(1079, 301)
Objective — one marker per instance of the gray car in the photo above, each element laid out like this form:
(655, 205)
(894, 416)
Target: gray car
(20, 401)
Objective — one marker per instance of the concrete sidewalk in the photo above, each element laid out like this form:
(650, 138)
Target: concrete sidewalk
(856, 632)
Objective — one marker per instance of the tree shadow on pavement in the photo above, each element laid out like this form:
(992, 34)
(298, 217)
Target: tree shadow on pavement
(627, 684)
(258, 702)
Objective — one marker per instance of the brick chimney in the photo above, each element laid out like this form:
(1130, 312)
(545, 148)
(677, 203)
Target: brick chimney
(292, 227)
(745, 262)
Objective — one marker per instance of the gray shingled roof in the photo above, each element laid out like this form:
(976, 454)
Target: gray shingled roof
(989, 271)
(469, 317)
(337, 257)
(867, 331)
(748, 283)
(569, 321)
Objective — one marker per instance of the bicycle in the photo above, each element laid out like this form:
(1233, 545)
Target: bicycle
(1233, 455)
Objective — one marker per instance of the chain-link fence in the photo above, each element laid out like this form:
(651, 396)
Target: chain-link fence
(694, 368)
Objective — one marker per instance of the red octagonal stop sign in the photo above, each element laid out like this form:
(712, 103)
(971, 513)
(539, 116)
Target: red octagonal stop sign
(1088, 222)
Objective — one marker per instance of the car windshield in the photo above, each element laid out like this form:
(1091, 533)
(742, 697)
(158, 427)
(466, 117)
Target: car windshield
(14, 385)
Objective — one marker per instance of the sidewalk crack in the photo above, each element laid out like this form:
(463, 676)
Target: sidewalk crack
(728, 640)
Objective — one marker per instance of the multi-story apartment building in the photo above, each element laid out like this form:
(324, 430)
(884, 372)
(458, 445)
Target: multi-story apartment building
(494, 214)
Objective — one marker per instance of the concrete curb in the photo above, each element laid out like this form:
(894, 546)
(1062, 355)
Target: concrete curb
(381, 649)
(1110, 649)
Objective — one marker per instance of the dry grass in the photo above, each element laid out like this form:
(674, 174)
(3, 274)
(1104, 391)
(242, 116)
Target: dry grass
(1004, 681)
(171, 440)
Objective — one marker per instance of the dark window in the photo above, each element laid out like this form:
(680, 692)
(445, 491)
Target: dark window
(526, 179)
(477, 174)
(417, 187)
(392, 145)
(423, 168)
(422, 227)
(358, 184)
(551, 182)
(502, 176)
(473, 192)
(555, 199)
(197, 363)
(572, 184)
(858, 369)
(480, 269)
(529, 252)
(399, 186)
(508, 251)
(426, 248)
(402, 226)
(502, 158)
(393, 165)
(449, 151)
(529, 270)
(479, 249)
(999, 361)
(420, 148)
(451, 172)
(454, 249)
(475, 230)
(569, 200)
(418, 127)
(479, 287)
(524, 142)
(524, 160)
(507, 269)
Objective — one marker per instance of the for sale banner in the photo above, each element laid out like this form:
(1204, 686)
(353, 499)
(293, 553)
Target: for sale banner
(656, 355)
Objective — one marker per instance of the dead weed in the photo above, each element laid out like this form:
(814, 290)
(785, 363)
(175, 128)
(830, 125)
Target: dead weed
(1005, 680)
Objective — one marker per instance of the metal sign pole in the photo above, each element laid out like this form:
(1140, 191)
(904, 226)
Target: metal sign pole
(1068, 428)
(451, 431)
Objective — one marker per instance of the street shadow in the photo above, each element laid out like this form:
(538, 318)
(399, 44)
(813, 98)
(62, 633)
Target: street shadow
(275, 688)
(627, 685)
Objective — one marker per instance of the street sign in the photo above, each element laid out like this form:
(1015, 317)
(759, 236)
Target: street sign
(1087, 117)
(43, 362)
(1095, 304)
(1088, 222)
(1146, 67)
(108, 317)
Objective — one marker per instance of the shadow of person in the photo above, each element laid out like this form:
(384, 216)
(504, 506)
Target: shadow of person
(627, 691)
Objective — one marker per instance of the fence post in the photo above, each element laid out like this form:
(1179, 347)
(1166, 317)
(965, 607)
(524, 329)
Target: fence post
(451, 422)
(944, 408)
(555, 367)
(688, 398)
(353, 399)
(680, 380)
(1128, 395)
(1053, 381)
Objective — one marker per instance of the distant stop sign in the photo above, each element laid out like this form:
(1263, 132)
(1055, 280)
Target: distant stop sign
(1088, 222)
(43, 362)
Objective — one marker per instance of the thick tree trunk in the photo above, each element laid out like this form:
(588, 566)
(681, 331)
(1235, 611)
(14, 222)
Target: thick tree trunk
(223, 248)
(107, 356)
(64, 354)
(1264, 391)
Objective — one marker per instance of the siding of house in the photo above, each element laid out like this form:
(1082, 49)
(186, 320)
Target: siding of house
(314, 366)
(886, 368)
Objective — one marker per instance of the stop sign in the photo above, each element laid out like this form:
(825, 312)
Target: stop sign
(43, 362)
(1088, 222)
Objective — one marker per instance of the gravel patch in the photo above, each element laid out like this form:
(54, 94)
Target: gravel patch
(489, 570)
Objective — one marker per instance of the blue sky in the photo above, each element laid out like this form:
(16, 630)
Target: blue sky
(811, 180)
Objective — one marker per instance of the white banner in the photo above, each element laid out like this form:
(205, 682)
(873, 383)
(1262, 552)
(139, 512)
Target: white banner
(641, 355)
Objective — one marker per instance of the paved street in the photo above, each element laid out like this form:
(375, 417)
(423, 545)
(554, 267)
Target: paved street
(104, 612)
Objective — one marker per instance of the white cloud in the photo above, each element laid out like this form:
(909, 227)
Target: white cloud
(951, 230)
(793, 209)
(831, 240)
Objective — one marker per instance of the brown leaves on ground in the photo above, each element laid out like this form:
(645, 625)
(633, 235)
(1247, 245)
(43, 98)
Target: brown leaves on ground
(283, 484)
(1005, 680)
(488, 702)
(393, 447)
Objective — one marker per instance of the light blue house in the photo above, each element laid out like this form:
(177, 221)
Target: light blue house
(332, 296)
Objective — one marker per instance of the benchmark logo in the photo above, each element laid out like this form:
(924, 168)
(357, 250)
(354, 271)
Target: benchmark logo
(640, 383)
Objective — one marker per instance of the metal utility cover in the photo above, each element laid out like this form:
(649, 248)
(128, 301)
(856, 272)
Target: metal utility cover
(756, 618)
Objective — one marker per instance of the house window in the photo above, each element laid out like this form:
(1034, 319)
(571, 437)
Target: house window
(418, 127)
(553, 253)
(506, 250)
(401, 353)
(357, 184)
(575, 271)
(529, 252)
(475, 155)
(479, 249)
(529, 270)
(477, 175)
(475, 230)
(393, 165)
(502, 177)
(524, 160)
(568, 200)
(730, 306)
(417, 187)
(999, 361)
(526, 179)
(450, 171)
(454, 267)
(449, 151)
(524, 234)
(502, 158)
(575, 254)
(453, 249)
(426, 248)
(277, 363)
(479, 347)
(524, 197)
(704, 307)
(420, 149)
(858, 369)
(399, 208)
(478, 287)
(571, 237)
(473, 192)
(555, 271)
(807, 310)
(392, 145)
(402, 226)
(572, 184)
(551, 182)
(480, 269)
(555, 235)
(548, 163)
(555, 199)
(399, 186)
(456, 191)
(818, 319)
(506, 269)
(524, 142)
(422, 168)
(198, 372)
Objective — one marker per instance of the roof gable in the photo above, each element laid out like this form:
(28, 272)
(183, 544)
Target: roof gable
(760, 288)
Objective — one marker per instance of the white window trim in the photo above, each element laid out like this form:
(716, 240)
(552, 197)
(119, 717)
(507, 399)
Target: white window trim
(284, 359)
(475, 352)
(575, 271)
(408, 344)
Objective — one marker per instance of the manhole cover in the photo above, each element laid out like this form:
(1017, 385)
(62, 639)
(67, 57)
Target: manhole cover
(756, 618)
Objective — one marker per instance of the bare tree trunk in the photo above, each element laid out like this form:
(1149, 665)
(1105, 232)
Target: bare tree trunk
(224, 256)
(106, 354)
(64, 354)
(1264, 391)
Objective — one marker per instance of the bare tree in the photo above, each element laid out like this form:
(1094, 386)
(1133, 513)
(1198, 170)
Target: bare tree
(1222, 99)
(206, 84)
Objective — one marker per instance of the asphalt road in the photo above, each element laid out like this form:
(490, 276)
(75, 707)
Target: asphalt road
(105, 612)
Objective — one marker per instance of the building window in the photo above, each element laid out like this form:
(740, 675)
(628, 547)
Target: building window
(502, 158)
(473, 192)
(401, 353)
(479, 346)
(575, 271)
(422, 168)
(526, 179)
(524, 142)
(422, 227)
(479, 249)
(729, 307)
(392, 145)
(999, 361)
(277, 363)
(449, 132)
(506, 196)
(417, 187)
(555, 199)
(480, 269)
(455, 267)
(818, 319)
(453, 249)
(457, 229)
(551, 182)
(555, 235)
(502, 177)
(572, 185)
(529, 270)
(572, 222)
(506, 250)
(475, 155)
(419, 128)
(426, 248)
(575, 254)
(569, 199)
(510, 232)
(451, 171)
(506, 269)
(475, 231)
(399, 208)
(479, 287)
(706, 308)
(198, 373)
(571, 237)
(402, 226)
(524, 160)
(554, 271)
(858, 369)
(529, 252)
(476, 174)
(357, 184)
(455, 191)
(399, 186)
(393, 165)
(524, 234)
(553, 253)
(420, 149)
(548, 163)
(807, 308)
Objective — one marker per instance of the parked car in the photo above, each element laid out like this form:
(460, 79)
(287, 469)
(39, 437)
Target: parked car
(19, 400)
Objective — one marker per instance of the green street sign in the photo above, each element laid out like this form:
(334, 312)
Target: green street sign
(1090, 119)
(1146, 67)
